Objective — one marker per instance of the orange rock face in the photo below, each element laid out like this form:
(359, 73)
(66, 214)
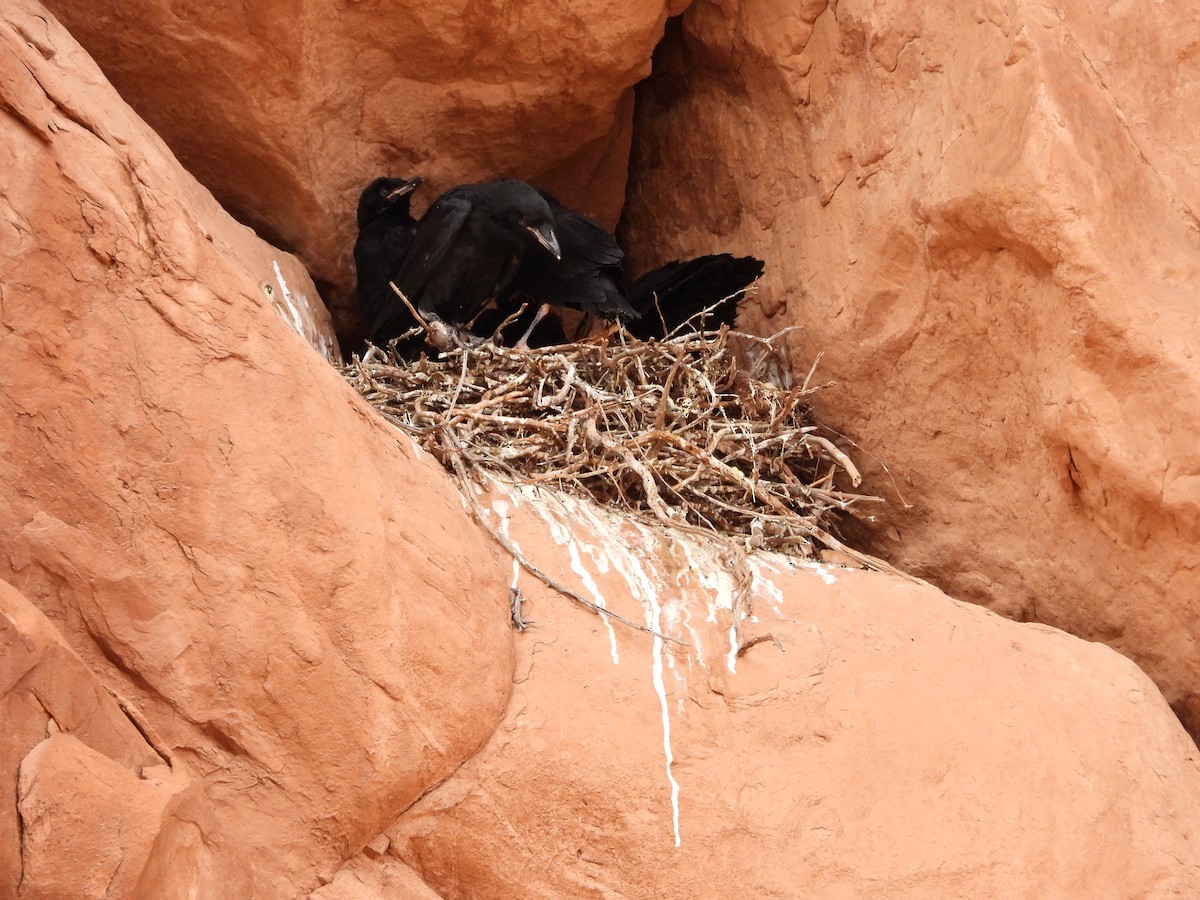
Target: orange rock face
(72, 759)
(287, 109)
(223, 531)
(888, 742)
(984, 217)
(252, 643)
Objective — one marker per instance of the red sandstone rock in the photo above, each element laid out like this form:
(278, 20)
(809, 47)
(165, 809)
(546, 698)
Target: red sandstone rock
(287, 109)
(86, 806)
(303, 622)
(375, 878)
(984, 217)
(88, 824)
(894, 743)
(225, 533)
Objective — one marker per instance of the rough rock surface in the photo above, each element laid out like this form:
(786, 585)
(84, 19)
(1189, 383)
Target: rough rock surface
(220, 528)
(375, 877)
(894, 743)
(266, 628)
(286, 109)
(984, 215)
(75, 816)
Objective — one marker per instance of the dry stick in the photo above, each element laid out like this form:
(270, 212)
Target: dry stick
(842, 458)
(882, 464)
(702, 315)
(508, 321)
(140, 722)
(498, 395)
(865, 559)
(458, 390)
(812, 371)
(661, 419)
(767, 341)
(745, 583)
(789, 403)
(658, 309)
(412, 309)
(561, 396)
(439, 337)
(758, 640)
(456, 460)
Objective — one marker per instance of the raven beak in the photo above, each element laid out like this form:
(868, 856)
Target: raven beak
(546, 239)
(407, 188)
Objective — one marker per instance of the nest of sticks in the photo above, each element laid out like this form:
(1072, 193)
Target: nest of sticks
(679, 432)
(672, 430)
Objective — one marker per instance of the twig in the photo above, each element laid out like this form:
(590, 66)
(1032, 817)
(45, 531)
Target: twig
(842, 458)
(412, 309)
(758, 640)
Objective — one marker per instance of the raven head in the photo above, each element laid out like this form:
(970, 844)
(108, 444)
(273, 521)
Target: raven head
(381, 195)
(526, 209)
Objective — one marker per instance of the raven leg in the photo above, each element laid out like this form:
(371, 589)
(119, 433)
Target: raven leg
(523, 343)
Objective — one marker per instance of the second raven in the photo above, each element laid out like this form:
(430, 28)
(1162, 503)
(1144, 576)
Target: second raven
(385, 230)
(588, 276)
(467, 248)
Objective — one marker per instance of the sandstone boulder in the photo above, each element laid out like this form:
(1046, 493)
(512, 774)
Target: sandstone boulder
(86, 791)
(287, 109)
(884, 741)
(984, 216)
(226, 535)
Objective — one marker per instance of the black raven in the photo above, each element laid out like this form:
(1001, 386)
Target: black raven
(466, 249)
(385, 230)
(589, 277)
(526, 325)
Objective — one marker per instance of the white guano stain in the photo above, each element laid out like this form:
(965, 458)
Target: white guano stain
(823, 570)
(293, 314)
(295, 319)
(650, 601)
(619, 555)
(731, 657)
(501, 508)
(635, 552)
(765, 586)
(564, 537)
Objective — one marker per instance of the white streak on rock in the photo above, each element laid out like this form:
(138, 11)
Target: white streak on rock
(293, 314)
(766, 586)
(654, 621)
(564, 537)
(627, 563)
(501, 508)
(697, 646)
(824, 571)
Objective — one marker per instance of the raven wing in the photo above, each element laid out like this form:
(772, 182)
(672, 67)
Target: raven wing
(673, 295)
(434, 236)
